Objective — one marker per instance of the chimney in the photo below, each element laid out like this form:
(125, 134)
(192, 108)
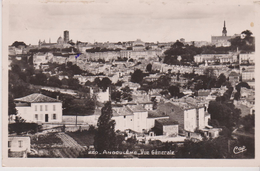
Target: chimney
(57, 97)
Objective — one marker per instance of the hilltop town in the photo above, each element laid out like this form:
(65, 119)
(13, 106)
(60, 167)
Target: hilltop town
(133, 99)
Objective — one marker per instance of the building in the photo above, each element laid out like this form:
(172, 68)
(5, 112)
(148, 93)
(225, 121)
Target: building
(39, 108)
(216, 58)
(246, 58)
(130, 117)
(101, 96)
(219, 41)
(41, 58)
(138, 45)
(189, 117)
(61, 43)
(66, 36)
(248, 75)
(233, 77)
(18, 146)
(167, 127)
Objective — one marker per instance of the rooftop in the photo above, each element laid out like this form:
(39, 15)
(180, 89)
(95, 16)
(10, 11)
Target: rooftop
(167, 122)
(36, 98)
(233, 74)
(156, 114)
(122, 111)
(136, 108)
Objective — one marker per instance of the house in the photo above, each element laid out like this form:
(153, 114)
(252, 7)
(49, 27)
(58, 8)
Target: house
(248, 75)
(101, 96)
(18, 146)
(246, 58)
(167, 127)
(140, 117)
(41, 58)
(130, 117)
(189, 116)
(154, 115)
(39, 108)
(138, 45)
(233, 77)
(124, 118)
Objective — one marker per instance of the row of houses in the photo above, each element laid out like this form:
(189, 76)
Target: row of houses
(39, 108)
(225, 58)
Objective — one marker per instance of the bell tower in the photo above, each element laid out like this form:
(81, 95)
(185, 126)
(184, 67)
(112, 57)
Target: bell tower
(224, 31)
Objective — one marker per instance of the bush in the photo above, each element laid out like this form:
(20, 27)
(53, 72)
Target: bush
(20, 128)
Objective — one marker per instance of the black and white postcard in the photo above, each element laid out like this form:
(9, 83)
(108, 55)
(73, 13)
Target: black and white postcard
(130, 83)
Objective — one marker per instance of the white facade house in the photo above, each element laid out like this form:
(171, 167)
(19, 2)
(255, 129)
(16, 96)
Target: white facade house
(39, 108)
(132, 117)
(19, 143)
(18, 146)
(194, 118)
(41, 58)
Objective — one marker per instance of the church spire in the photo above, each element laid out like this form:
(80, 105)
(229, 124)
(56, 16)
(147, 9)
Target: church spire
(224, 31)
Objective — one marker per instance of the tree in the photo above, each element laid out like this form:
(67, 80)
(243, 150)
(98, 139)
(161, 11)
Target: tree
(116, 96)
(39, 79)
(127, 93)
(242, 84)
(137, 76)
(54, 82)
(17, 44)
(209, 72)
(174, 91)
(163, 81)
(149, 67)
(248, 122)
(225, 113)
(245, 42)
(221, 79)
(73, 83)
(106, 82)
(11, 105)
(105, 136)
(216, 148)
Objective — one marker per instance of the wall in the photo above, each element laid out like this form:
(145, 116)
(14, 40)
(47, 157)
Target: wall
(124, 122)
(170, 130)
(25, 143)
(140, 121)
(71, 119)
(50, 110)
(201, 113)
(150, 122)
(190, 120)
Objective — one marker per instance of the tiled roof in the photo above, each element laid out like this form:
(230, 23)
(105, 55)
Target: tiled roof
(36, 98)
(136, 108)
(122, 111)
(233, 74)
(156, 114)
(167, 122)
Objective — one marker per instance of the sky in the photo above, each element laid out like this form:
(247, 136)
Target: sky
(125, 20)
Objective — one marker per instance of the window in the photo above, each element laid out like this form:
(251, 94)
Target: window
(36, 116)
(35, 108)
(9, 143)
(54, 116)
(40, 107)
(172, 110)
(53, 107)
(124, 116)
(46, 108)
(20, 142)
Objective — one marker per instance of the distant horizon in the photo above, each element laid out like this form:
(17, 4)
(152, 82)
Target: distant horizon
(122, 21)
